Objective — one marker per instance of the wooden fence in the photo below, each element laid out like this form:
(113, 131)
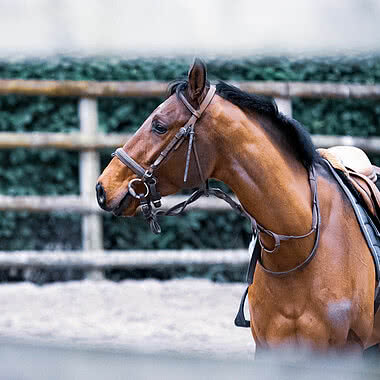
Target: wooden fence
(89, 140)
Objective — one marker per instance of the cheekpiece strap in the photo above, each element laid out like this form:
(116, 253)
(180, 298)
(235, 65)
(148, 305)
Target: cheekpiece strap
(206, 101)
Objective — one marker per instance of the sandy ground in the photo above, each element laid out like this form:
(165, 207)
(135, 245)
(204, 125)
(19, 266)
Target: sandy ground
(189, 316)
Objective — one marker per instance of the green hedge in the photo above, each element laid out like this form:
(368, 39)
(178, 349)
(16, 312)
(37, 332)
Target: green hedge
(28, 172)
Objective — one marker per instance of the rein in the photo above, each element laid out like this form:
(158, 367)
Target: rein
(152, 195)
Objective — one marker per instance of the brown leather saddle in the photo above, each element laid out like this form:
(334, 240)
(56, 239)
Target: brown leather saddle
(364, 176)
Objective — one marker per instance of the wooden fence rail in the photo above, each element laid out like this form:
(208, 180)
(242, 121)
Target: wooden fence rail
(99, 260)
(89, 140)
(72, 203)
(81, 141)
(153, 88)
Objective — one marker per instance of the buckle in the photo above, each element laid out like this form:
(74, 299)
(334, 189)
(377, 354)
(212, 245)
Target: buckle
(132, 191)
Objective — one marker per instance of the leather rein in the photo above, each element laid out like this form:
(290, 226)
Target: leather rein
(152, 195)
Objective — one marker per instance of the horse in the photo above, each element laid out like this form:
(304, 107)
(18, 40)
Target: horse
(270, 163)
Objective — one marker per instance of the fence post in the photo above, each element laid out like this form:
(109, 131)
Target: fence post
(284, 105)
(92, 226)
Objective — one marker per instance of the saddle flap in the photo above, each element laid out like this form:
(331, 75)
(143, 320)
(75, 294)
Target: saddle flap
(369, 192)
(355, 164)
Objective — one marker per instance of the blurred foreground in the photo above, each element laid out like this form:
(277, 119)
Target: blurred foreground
(31, 362)
(187, 317)
(177, 329)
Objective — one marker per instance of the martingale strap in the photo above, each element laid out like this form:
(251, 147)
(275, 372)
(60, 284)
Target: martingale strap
(314, 225)
(256, 247)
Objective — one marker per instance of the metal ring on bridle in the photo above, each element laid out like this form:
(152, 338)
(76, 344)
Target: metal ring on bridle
(132, 191)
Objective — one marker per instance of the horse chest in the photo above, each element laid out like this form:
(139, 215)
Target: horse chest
(290, 314)
(289, 306)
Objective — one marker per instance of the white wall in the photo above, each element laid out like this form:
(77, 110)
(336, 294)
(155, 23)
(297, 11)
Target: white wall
(189, 26)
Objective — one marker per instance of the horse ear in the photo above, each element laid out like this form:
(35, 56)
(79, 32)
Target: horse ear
(197, 79)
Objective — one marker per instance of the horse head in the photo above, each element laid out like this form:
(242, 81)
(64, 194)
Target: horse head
(172, 149)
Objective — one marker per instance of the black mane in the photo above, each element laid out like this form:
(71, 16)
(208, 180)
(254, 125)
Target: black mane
(294, 134)
(178, 86)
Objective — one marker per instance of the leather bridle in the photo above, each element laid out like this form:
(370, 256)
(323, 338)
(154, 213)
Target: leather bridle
(147, 177)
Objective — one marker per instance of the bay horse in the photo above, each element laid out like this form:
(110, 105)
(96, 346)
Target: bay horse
(266, 159)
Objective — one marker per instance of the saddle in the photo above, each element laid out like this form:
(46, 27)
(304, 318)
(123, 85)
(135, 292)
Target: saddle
(360, 172)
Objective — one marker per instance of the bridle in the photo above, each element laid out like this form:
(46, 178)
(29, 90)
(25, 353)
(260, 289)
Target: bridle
(149, 180)
(152, 195)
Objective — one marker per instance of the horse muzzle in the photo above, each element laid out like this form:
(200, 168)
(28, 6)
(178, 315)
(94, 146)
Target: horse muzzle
(118, 209)
(124, 204)
(101, 197)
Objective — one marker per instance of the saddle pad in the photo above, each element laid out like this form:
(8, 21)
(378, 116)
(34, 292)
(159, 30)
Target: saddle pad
(367, 226)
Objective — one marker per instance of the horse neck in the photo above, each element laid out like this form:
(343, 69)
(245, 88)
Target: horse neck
(269, 181)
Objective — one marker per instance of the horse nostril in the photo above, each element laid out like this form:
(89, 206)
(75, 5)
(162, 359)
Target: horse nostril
(101, 195)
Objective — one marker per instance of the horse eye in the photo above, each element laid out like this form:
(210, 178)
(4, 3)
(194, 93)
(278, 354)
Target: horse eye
(159, 128)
